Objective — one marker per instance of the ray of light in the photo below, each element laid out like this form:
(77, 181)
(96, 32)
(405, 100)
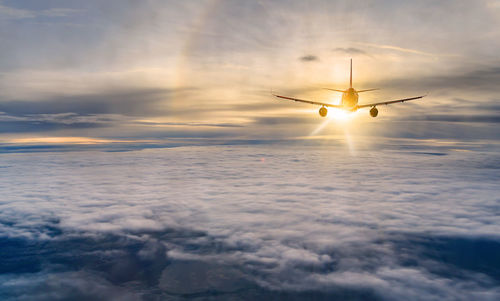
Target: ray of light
(350, 142)
(198, 24)
(334, 115)
(320, 127)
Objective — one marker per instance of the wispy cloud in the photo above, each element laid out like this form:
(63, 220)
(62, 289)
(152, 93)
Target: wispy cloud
(400, 49)
(7, 12)
(12, 13)
(350, 51)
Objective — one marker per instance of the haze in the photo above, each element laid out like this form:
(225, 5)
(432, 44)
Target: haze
(150, 71)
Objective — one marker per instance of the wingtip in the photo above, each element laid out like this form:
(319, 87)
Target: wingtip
(272, 93)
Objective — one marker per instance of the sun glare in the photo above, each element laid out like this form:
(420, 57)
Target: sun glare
(335, 116)
(340, 115)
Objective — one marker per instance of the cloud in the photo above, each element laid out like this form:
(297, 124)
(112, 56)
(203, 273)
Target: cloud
(50, 122)
(128, 102)
(462, 84)
(101, 109)
(252, 222)
(60, 12)
(12, 13)
(401, 49)
(187, 124)
(283, 120)
(350, 51)
(309, 58)
(460, 118)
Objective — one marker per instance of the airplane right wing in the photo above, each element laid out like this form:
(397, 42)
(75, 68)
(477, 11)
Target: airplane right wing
(310, 102)
(388, 102)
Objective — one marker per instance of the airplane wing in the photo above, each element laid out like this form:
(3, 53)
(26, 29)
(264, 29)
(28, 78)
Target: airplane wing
(389, 102)
(309, 101)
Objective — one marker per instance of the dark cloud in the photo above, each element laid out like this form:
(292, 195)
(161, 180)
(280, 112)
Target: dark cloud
(109, 147)
(77, 266)
(104, 109)
(459, 118)
(350, 51)
(482, 81)
(131, 102)
(192, 124)
(52, 122)
(457, 257)
(43, 126)
(309, 58)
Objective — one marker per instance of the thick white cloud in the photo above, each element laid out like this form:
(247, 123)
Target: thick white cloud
(414, 222)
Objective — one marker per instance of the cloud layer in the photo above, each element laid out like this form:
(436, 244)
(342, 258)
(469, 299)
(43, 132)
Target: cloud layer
(252, 222)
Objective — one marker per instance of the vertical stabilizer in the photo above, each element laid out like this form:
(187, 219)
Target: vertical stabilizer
(350, 78)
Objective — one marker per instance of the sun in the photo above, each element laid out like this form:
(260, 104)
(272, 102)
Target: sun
(340, 115)
(335, 116)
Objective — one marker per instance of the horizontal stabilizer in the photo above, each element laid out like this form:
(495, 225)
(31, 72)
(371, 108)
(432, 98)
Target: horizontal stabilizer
(336, 90)
(367, 90)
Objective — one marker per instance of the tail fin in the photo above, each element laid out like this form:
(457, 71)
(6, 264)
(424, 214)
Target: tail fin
(350, 79)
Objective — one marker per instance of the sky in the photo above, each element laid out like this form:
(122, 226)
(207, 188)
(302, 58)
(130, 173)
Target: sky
(143, 157)
(94, 73)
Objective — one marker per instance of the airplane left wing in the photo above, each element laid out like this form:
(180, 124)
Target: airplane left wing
(389, 102)
(309, 101)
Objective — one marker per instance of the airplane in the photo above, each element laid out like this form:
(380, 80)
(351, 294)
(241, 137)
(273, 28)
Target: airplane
(349, 100)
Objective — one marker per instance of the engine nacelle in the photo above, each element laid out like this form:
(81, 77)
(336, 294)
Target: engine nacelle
(374, 112)
(323, 111)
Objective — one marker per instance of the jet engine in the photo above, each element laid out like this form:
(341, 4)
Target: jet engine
(323, 111)
(374, 112)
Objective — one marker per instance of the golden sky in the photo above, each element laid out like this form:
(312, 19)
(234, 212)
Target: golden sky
(129, 71)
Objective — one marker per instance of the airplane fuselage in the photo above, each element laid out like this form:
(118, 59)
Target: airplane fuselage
(350, 99)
